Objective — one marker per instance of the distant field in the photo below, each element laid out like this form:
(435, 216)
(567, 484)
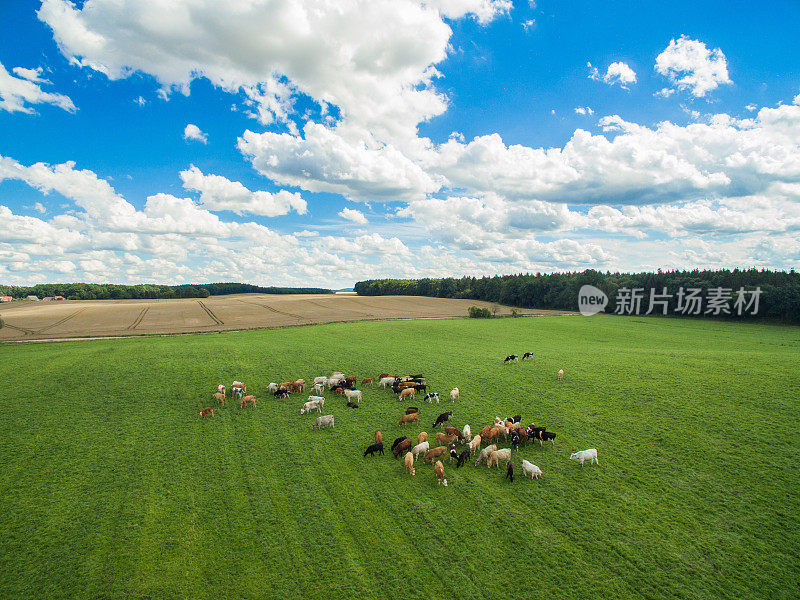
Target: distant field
(112, 487)
(65, 319)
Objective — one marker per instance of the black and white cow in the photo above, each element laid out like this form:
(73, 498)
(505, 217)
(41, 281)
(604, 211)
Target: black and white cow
(511, 358)
(442, 418)
(431, 396)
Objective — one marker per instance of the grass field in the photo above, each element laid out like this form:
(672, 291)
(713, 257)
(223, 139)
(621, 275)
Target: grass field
(112, 487)
(27, 321)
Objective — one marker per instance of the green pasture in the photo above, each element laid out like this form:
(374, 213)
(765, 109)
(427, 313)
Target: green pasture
(111, 485)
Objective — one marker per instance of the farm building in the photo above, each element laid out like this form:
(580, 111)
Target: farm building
(6, 298)
(51, 298)
(35, 298)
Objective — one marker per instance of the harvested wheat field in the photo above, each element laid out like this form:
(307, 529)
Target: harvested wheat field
(103, 318)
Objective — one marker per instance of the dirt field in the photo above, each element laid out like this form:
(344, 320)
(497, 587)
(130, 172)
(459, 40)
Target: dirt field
(101, 318)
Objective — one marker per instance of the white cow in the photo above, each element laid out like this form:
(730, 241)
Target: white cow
(467, 433)
(273, 387)
(334, 381)
(529, 467)
(560, 374)
(454, 394)
(353, 395)
(386, 381)
(221, 389)
(420, 449)
(323, 422)
(590, 455)
(318, 387)
(317, 402)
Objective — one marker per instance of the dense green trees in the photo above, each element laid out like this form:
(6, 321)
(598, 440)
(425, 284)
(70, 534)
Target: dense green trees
(779, 298)
(106, 291)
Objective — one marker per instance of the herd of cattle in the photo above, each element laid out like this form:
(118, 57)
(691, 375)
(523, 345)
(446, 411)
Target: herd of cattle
(447, 441)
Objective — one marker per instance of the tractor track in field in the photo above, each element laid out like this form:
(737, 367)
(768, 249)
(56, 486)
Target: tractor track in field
(138, 320)
(211, 314)
(22, 329)
(275, 310)
(60, 321)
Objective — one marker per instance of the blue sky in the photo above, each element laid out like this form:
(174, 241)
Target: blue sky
(302, 143)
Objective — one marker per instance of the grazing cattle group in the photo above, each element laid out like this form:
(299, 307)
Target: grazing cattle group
(446, 443)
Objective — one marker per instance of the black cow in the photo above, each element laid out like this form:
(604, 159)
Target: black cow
(373, 449)
(535, 432)
(462, 457)
(515, 440)
(430, 397)
(281, 393)
(397, 441)
(412, 409)
(546, 436)
(442, 418)
(352, 405)
(510, 471)
(527, 355)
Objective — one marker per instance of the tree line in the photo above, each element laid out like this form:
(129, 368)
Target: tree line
(774, 295)
(107, 291)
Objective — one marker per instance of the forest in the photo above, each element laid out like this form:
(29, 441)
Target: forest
(724, 294)
(108, 291)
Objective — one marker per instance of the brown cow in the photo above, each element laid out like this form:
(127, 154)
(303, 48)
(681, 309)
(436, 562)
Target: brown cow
(378, 437)
(406, 393)
(402, 447)
(422, 437)
(435, 453)
(408, 419)
(406, 385)
(445, 439)
(523, 435)
(456, 432)
(206, 411)
(289, 385)
(220, 398)
(485, 431)
(439, 470)
(247, 399)
(367, 380)
(412, 409)
(382, 375)
(493, 434)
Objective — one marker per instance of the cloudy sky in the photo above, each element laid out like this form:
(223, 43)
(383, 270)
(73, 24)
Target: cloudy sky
(322, 142)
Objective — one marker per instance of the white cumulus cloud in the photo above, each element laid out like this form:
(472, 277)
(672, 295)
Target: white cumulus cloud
(193, 132)
(691, 66)
(331, 160)
(356, 216)
(218, 193)
(617, 73)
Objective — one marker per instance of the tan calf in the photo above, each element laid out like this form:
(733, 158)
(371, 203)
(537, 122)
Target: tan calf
(409, 460)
